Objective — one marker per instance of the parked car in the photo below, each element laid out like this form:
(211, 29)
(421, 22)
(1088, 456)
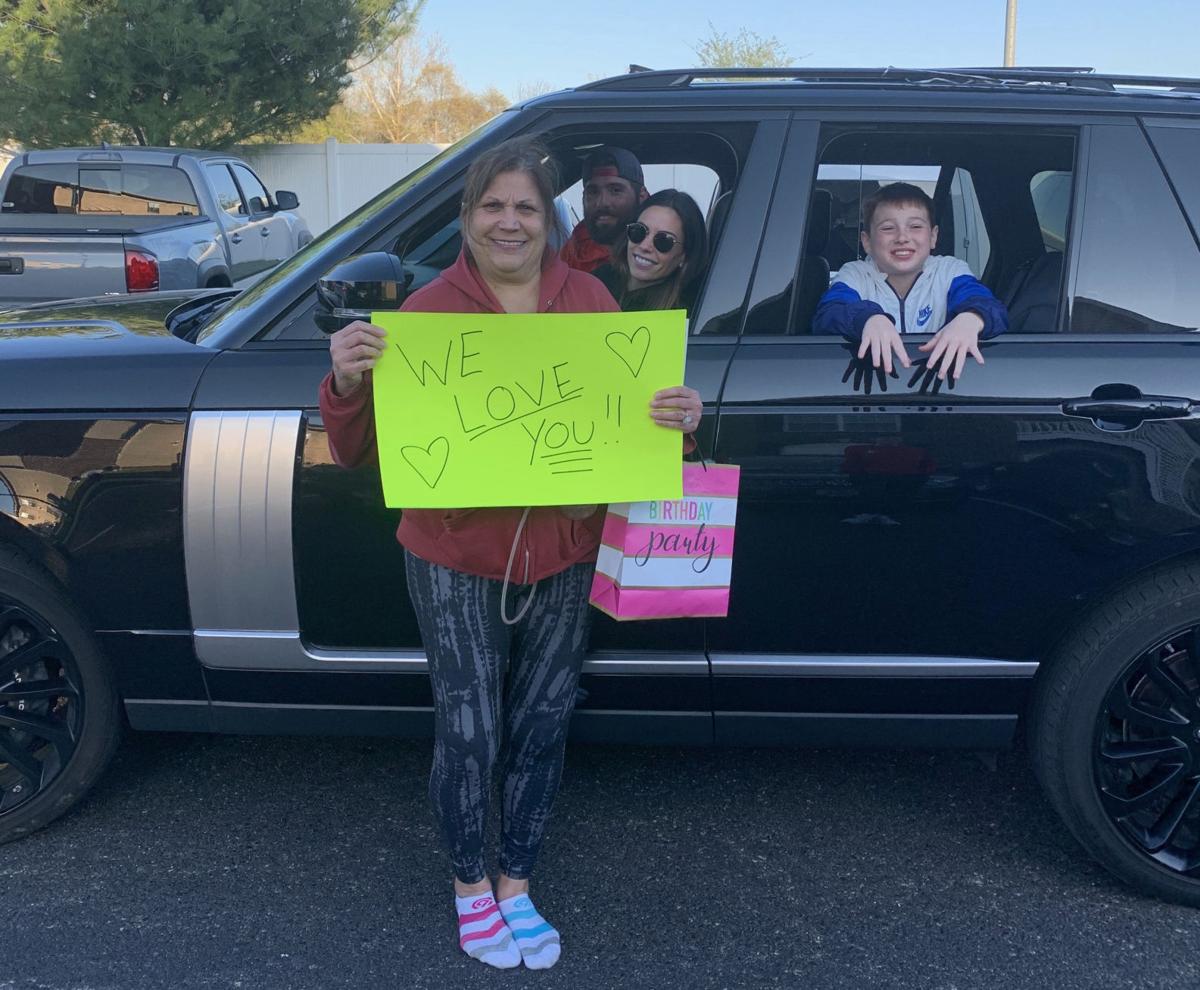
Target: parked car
(103, 221)
(917, 565)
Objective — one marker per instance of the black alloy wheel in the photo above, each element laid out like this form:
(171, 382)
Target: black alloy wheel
(59, 711)
(1114, 732)
(41, 704)
(1147, 756)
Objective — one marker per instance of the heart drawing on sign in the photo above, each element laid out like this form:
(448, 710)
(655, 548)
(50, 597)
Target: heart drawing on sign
(630, 348)
(429, 462)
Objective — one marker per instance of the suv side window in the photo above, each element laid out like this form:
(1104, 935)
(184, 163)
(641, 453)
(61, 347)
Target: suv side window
(983, 183)
(1179, 148)
(1139, 266)
(228, 197)
(702, 163)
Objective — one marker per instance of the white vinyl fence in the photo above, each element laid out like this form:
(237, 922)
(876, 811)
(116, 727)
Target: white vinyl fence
(334, 179)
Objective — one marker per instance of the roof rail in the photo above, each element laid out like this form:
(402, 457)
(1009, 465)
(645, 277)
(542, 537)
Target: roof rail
(640, 78)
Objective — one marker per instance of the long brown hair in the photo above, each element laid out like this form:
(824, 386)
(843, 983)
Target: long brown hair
(667, 293)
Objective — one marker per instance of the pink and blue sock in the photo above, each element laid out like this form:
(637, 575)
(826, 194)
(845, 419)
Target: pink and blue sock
(482, 932)
(535, 937)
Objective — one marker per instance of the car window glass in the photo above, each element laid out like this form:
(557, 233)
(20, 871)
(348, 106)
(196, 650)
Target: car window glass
(1139, 267)
(156, 189)
(251, 186)
(1051, 194)
(42, 189)
(100, 190)
(1179, 149)
(980, 180)
(971, 242)
(137, 190)
(225, 190)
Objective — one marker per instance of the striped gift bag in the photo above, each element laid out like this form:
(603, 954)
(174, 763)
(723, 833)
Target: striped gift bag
(670, 559)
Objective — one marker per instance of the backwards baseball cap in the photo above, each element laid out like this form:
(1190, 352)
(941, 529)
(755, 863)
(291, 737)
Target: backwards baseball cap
(610, 161)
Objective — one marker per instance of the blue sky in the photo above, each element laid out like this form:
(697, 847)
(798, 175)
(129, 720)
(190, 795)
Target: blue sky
(513, 43)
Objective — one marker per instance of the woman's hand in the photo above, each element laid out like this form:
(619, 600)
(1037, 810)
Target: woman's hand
(352, 350)
(677, 408)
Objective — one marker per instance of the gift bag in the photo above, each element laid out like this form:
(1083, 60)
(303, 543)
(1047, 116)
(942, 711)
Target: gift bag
(670, 559)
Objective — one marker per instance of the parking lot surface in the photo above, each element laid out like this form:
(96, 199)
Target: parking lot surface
(262, 862)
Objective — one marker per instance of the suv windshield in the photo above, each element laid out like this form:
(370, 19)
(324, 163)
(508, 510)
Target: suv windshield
(380, 203)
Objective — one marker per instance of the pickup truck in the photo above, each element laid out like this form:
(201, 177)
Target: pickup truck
(95, 222)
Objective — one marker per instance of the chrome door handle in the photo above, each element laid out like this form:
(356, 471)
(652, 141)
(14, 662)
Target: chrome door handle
(236, 238)
(265, 231)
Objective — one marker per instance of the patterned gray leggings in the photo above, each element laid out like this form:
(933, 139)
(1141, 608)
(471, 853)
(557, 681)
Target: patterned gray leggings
(500, 694)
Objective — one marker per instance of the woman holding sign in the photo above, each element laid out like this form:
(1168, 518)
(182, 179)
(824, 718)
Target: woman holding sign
(496, 677)
(658, 261)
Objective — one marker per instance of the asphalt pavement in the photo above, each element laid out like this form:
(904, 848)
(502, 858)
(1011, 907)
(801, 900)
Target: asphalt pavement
(262, 862)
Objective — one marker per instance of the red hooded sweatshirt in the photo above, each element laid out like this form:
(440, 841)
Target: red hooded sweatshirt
(477, 541)
(582, 253)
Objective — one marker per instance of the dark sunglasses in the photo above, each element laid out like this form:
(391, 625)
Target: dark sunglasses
(663, 241)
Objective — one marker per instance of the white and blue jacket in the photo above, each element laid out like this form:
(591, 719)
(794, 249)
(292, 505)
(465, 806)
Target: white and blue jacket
(944, 288)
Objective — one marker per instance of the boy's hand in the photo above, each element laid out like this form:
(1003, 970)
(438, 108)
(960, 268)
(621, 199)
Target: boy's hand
(953, 343)
(882, 339)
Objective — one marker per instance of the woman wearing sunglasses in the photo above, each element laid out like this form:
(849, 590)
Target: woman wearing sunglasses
(658, 261)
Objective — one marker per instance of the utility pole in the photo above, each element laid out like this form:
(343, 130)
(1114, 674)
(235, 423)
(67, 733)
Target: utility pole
(1010, 35)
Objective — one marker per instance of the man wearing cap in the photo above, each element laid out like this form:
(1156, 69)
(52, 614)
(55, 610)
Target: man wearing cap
(613, 189)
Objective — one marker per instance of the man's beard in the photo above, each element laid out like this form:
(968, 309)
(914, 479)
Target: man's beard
(608, 235)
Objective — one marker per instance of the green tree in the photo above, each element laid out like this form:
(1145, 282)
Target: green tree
(744, 50)
(204, 73)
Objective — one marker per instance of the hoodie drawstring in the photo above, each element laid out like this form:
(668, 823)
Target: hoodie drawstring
(507, 574)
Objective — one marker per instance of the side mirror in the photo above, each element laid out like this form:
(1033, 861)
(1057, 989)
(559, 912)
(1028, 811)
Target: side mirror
(257, 205)
(353, 288)
(285, 200)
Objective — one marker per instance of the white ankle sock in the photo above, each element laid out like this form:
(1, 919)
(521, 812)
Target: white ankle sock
(534, 936)
(482, 932)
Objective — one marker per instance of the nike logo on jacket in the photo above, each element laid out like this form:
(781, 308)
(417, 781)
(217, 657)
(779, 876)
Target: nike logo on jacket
(943, 289)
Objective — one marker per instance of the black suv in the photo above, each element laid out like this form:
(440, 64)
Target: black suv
(917, 564)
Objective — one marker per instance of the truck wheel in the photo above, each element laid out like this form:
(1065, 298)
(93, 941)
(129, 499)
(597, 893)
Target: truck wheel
(1114, 732)
(59, 716)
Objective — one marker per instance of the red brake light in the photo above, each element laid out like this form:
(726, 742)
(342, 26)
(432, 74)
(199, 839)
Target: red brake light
(141, 272)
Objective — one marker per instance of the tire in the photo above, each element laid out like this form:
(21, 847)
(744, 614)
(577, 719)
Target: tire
(60, 719)
(1114, 733)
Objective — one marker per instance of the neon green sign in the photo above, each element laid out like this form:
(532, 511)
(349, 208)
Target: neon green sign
(510, 409)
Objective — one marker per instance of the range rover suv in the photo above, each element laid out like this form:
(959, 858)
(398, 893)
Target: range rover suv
(1013, 556)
